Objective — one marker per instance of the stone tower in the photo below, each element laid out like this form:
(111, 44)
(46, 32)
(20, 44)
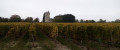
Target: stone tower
(46, 17)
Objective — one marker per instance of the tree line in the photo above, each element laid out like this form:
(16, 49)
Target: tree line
(58, 18)
(17, 18)
(64, 18)
(91, 21)
(71, 18)
(100, 21)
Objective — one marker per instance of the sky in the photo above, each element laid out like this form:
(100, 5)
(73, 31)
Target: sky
(81, 9)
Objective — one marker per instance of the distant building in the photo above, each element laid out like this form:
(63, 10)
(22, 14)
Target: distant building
(51, 20)
(46, 17)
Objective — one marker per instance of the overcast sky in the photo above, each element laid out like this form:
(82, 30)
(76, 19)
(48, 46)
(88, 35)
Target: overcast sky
(81, 9)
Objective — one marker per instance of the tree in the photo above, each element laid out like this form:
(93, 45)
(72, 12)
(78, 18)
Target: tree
(36, 20)
(81, 21)
(76, 20)
(86, 21)
(102, 21)
(93, 21)
(43, 17)
(29, 19)
(15, 18)
(0, 19)
(64, 18)
(3, 19)
(69, 18)
(117, 20)
(58, 18)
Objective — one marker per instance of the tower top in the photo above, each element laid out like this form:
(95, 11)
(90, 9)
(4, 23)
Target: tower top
(47, 12)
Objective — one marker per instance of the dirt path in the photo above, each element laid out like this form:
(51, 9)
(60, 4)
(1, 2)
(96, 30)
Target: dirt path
(36, 46)
(59, 46)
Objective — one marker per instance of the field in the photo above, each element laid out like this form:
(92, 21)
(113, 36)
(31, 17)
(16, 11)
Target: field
(59, 36)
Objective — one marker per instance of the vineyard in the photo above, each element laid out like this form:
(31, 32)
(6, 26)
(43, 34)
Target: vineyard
(55, 36)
